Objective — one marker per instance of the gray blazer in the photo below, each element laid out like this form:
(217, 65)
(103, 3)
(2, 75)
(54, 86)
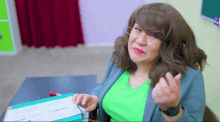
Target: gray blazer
(192, 100)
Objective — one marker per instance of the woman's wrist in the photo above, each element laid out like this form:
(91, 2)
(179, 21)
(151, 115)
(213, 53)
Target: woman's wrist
(96, 98)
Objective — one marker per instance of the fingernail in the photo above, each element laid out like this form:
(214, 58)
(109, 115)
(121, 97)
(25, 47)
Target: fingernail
(179, 76)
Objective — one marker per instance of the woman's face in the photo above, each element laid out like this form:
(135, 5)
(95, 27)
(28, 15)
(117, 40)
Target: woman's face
(148, 44)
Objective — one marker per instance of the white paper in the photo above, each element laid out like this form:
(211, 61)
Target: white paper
(48, 111)
(85, 114)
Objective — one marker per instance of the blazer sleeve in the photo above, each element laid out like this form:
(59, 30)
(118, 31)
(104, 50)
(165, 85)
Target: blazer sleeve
(194, 102)
(96, 91)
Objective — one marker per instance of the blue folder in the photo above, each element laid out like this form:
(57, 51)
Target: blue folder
(77, 117)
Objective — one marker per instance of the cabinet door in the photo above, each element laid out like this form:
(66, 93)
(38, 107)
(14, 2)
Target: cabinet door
(3, 10)
(6, 44)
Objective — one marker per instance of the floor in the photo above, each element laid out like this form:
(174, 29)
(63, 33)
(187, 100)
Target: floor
(80, 60)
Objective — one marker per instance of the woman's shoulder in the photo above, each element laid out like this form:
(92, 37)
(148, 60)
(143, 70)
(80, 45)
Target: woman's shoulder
(192, 72)
(192, 76)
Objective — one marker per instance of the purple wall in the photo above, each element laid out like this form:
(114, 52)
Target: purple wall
(104, 20)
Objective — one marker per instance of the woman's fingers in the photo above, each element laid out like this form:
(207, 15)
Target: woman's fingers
(82, 99)
(85, 99)
(89, 108)
(74, 98)
(79, 98)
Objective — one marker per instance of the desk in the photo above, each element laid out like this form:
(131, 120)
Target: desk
(35, 88)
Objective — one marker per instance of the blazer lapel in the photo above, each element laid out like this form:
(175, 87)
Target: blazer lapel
(110, 81)
(149, 106)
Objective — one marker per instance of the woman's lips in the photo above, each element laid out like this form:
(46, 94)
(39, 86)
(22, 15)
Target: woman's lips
(139, 51)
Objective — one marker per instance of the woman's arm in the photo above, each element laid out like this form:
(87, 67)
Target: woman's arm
(194, 101)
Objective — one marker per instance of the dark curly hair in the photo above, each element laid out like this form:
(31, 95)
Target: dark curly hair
(178, 48)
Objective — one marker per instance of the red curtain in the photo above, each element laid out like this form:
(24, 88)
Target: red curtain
(49, 23)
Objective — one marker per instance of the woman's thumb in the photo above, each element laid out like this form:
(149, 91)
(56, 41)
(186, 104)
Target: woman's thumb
(90, 108)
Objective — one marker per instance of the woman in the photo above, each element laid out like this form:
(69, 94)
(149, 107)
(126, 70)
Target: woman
(154, 73)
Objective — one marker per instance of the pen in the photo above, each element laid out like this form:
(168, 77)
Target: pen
(57, 94)
(54, 94)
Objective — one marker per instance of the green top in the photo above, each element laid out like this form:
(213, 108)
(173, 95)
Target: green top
(123, 103)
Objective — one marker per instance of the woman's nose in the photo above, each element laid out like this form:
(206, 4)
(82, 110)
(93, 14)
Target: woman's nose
(141, 40)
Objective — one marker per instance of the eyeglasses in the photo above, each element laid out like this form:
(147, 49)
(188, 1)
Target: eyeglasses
(136, 32)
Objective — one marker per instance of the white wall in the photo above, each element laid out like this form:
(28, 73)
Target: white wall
(104, 20)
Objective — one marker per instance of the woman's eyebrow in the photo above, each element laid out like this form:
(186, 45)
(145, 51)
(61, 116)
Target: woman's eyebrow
(148, 33)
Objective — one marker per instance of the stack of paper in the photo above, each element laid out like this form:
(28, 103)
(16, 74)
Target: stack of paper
(47, 111)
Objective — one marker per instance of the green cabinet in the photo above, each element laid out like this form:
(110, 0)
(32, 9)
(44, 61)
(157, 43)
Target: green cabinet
(3, 10)
(6, 43)
(10, 42)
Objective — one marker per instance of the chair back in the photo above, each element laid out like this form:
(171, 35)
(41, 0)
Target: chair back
(209, 115)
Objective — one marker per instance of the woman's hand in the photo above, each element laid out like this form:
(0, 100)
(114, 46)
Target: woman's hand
(166, 93)
(86, 101)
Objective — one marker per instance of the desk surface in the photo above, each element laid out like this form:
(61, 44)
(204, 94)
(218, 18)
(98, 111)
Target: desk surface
(35, 88)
